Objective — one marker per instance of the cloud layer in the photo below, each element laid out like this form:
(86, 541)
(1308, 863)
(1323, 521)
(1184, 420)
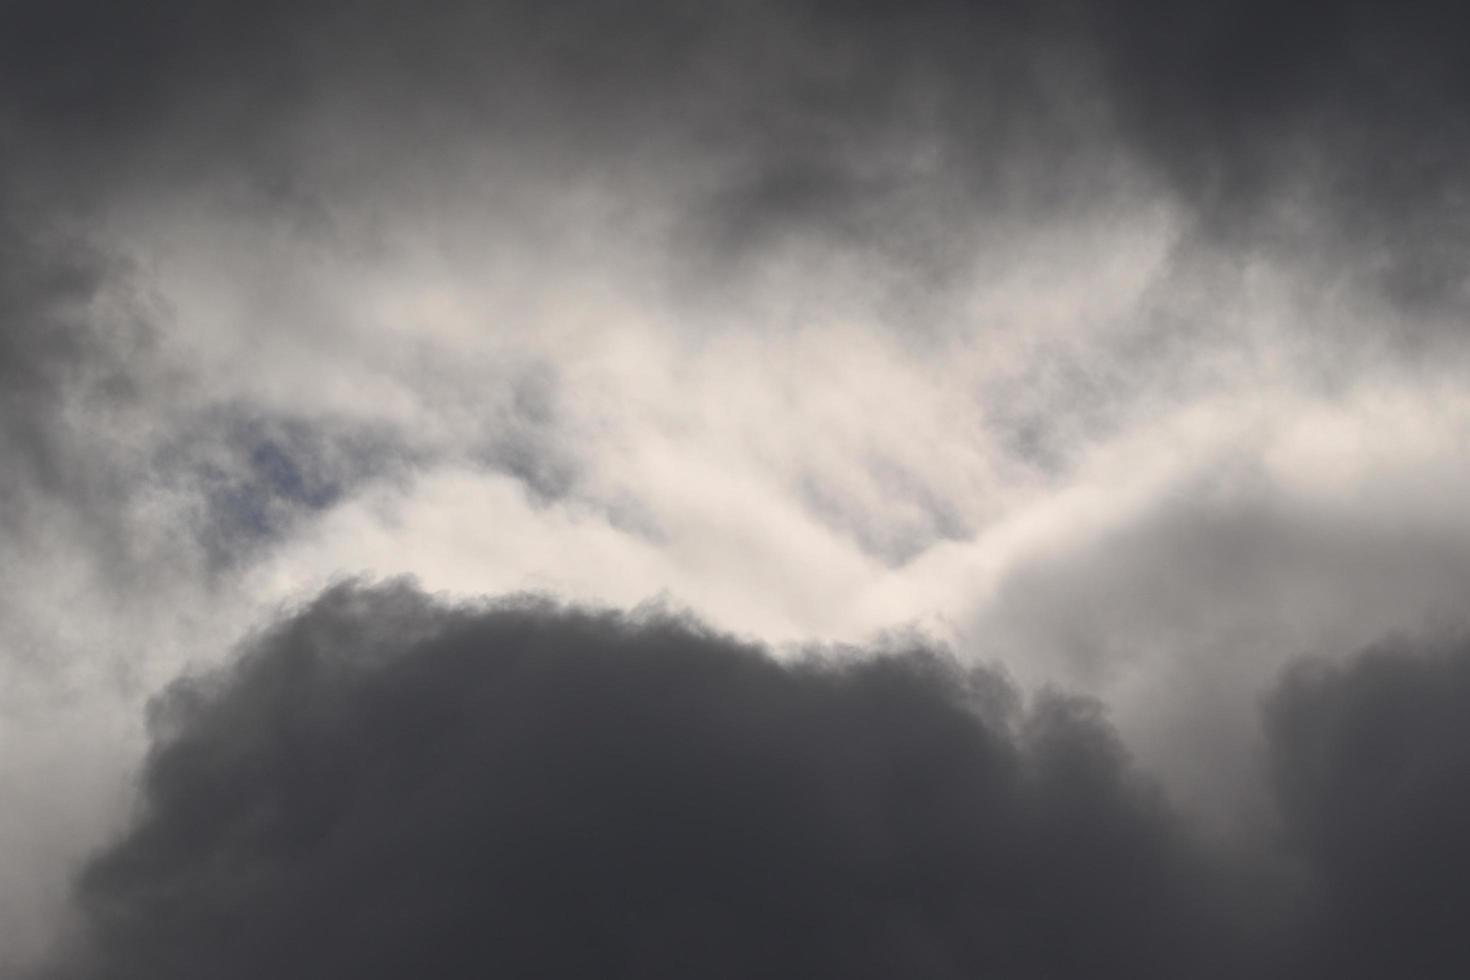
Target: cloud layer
(1119, 345)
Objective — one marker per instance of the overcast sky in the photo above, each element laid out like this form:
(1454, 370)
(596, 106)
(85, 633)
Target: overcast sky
(744, 488)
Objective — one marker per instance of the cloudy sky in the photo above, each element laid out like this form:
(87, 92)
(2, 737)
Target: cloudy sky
(730, 489)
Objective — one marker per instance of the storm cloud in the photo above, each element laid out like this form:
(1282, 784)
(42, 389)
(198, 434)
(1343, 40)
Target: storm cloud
(384, 785)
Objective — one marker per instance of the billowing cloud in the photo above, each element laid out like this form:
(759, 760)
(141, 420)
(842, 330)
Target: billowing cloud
(387, 785)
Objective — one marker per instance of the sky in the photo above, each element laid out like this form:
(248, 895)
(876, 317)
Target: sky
(749, 488)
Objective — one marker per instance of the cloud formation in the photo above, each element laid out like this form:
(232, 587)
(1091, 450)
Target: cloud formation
(387, 785)
(1121, 345)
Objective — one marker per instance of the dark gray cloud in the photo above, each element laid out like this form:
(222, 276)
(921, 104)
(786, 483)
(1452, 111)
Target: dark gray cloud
(44, 294)
(1370, 765)
(73, 350)
(861, 123)
(385, 785)
(1345, 115)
